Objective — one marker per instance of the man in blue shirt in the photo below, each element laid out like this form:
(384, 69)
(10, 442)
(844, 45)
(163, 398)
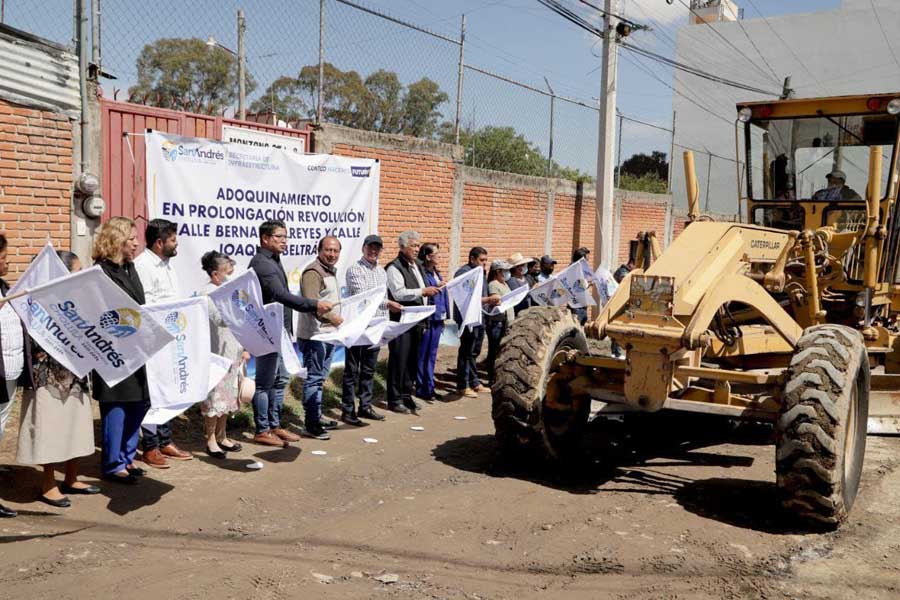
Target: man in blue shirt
(471, 339)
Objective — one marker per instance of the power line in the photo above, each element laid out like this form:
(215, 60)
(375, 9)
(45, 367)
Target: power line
(646, 124)
(752, 43)
(726, 40)
(883, 34)
(695, 71)
(786, 45)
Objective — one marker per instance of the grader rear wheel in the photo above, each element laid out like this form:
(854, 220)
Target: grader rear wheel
(532, 352)
(821, 433)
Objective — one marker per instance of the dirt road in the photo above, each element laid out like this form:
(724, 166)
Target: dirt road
(675, 515)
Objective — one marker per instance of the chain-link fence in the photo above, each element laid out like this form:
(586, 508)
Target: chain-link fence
(378, 72)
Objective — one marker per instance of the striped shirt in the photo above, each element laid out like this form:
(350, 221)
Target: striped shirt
(13, 342)
(362, 276)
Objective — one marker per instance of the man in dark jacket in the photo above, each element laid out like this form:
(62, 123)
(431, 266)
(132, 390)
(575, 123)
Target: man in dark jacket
(471, 339)
(271, 376)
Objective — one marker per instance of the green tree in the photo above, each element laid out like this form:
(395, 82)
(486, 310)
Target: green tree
(648, 182)
(385, 102)
(642, 164)
(185, 73)
(284, 97)
(420, 108)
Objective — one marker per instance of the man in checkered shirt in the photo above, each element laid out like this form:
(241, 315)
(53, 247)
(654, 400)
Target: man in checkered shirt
(360, 361)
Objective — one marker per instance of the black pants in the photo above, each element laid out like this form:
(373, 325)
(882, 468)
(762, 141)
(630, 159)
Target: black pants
(494, 330)
(359, 378)
(160, 439)
(469, 348)
(403, 361)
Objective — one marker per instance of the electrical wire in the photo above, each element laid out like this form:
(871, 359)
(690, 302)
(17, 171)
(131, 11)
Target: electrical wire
(727, 41)
(883, 34)
(755, 47)
(786, 45)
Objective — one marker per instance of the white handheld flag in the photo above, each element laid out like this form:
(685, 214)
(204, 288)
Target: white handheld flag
(178, 373)
(240, 303)
(275, 319)
(574, 282)
(357, 311)
(549, 293)
(508, 300)
(85, 321)
(466, 292)
(218, 369)
(395, 329)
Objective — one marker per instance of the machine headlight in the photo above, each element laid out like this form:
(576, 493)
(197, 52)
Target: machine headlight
(893, 107)
(745, 113)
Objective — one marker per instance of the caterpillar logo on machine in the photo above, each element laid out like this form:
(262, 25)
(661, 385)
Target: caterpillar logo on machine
(765, 245)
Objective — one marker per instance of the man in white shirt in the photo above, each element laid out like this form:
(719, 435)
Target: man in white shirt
(406, 286)
(158, 279)
(13, 348)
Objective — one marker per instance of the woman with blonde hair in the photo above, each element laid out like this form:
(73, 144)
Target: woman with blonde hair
(122, 406)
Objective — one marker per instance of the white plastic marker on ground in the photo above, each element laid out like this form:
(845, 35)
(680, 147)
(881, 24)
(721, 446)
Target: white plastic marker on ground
(255, 466)
(357, 311)
(318, 452)
(460, 418)
(417, 428)
(369, 440)
(508, 301)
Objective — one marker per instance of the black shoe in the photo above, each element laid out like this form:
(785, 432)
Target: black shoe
(399, 409)
(328, 423)
(88, 491)
(216, 453)
(369, 413)
(235, 448)
(7, 513)
(136, 471)
(129, 479)
(61, 503)
(351, 419)
(412, 405)
(317, 432)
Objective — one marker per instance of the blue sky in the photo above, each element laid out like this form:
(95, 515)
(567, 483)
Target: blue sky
(517, 38)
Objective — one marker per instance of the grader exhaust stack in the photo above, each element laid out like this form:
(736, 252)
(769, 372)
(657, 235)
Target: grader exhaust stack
(791, 319)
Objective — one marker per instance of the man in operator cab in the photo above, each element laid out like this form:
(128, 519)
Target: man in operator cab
(837, 189)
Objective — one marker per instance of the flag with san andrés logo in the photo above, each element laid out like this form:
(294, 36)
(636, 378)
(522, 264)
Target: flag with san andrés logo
(240, 303)
(86, 322)
(549, 293)
(179, 373)
(466, 291)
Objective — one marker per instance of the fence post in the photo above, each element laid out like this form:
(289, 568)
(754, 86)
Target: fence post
(459, 78)
(242, 67)
(321, 60)
(671, 156)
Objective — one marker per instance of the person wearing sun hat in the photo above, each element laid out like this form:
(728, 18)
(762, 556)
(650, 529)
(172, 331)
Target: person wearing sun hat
(517, 278)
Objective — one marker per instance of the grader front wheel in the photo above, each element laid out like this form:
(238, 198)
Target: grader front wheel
(532, 351)
(821, 433)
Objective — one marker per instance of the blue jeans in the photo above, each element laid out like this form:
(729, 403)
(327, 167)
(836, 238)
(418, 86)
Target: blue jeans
(271, 379)
(494, 330)
(317, 360)
(428, 351)
(121, 424)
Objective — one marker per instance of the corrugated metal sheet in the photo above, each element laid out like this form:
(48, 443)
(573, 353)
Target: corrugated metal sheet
(122, 126)
(37, 72)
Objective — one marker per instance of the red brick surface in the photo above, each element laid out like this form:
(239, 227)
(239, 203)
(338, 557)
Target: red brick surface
(35, 182)
(503, 220)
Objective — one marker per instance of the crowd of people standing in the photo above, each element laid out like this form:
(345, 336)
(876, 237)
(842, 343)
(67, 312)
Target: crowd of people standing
(56, 423)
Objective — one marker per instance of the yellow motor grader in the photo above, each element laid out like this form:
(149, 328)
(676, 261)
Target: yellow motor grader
(790, 317)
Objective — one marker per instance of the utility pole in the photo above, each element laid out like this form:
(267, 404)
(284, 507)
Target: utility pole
(321, 60)
(550, 151)
(619, 149)
(671, 156)
(242, 67)
(95, 35)
(459, 78)
(604, 247)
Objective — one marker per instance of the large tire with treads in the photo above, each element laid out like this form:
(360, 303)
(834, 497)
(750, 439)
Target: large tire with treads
(523, 367)
(821, 431)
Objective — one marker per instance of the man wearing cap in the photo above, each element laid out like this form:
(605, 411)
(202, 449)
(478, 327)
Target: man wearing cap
(547, 266)
(517, 278)
(837, 189)
(360, 361)
(471, 338)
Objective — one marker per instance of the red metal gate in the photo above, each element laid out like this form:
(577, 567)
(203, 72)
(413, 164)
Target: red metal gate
(123, 154)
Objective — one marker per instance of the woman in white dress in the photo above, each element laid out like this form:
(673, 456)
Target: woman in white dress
(56, 422)
(223, 400)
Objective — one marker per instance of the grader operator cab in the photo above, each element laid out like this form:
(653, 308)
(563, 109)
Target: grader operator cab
(790, 319)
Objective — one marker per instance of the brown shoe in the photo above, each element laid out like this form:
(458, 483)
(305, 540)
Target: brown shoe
(286, 435)
(155, 459)
(267, 438)
(469, 393)
(173, 451)
(480, 388)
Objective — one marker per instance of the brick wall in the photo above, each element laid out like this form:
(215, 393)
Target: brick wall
(35, 181)
(423, 182)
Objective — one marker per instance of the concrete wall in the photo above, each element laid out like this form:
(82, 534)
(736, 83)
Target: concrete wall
(425, 186)
(842, 52)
